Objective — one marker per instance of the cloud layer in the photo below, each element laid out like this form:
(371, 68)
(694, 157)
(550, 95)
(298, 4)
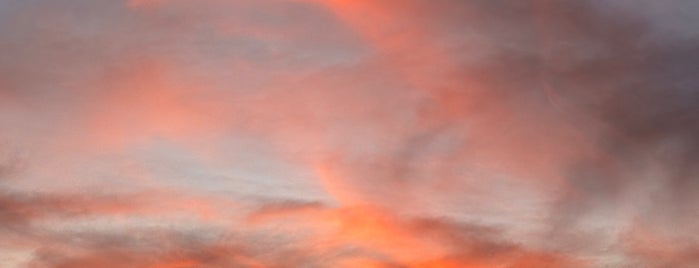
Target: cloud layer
(333, 133)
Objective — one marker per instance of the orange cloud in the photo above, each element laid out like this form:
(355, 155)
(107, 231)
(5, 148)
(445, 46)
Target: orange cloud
(393, 241)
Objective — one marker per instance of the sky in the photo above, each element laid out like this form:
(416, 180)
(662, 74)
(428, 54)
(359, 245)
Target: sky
(349, 133)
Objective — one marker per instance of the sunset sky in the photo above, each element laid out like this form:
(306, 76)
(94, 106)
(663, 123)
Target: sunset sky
(349, 133)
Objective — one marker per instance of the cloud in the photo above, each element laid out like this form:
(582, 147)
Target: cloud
(148, 248)
(382, 238)
(348, 133)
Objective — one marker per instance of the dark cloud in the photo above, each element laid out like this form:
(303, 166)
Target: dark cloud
(640, 95)
(142, 248)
